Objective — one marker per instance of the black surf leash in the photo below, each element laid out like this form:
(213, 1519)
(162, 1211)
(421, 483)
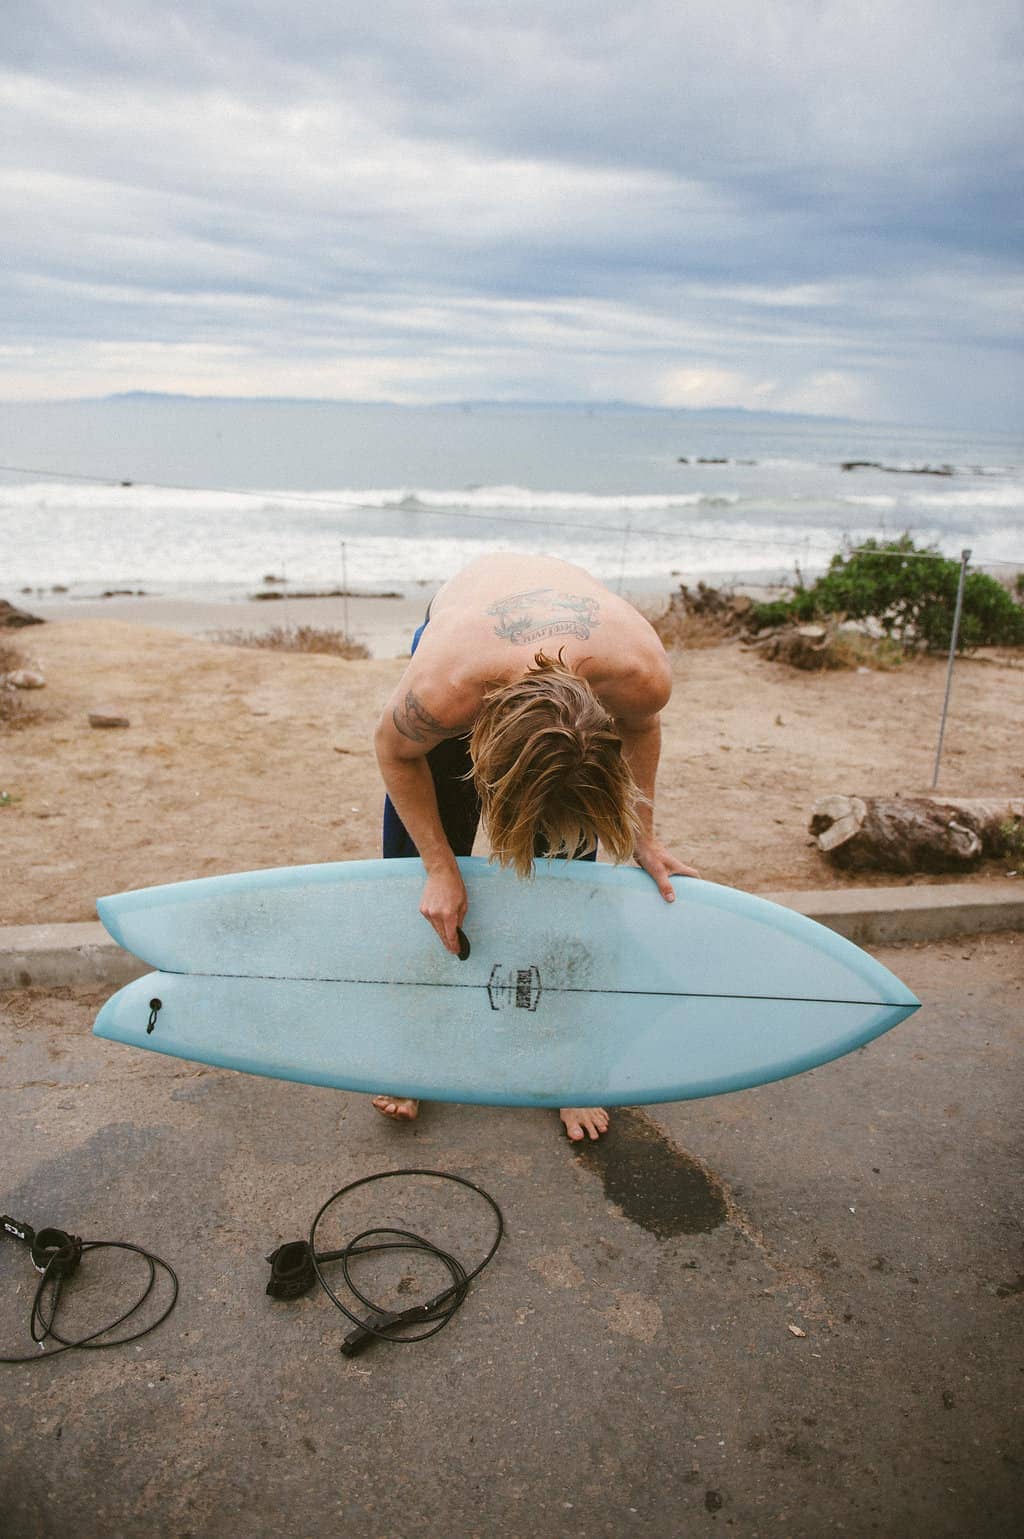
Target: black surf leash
(58, 1255)
(295, 1268)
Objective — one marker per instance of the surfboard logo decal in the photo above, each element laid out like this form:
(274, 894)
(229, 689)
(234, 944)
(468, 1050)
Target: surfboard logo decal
(516, 986)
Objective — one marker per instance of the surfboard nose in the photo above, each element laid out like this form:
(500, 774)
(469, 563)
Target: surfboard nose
(903, 996)
(106, 908)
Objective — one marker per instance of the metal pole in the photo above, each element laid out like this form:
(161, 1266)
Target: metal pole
(622, 558)
(965, 556)
(344, 590)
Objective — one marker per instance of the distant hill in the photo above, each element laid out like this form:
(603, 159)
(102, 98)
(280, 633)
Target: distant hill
(637, 408)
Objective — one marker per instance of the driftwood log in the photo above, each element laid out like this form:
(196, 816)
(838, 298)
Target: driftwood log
(914, 833)
(810, 647)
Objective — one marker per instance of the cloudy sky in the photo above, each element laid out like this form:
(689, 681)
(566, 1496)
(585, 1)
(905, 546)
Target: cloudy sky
(803, 205)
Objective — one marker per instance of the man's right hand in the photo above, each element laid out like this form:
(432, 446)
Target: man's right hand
(444, 904)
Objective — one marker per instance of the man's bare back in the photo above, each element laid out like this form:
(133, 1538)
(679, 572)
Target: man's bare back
(488, 622)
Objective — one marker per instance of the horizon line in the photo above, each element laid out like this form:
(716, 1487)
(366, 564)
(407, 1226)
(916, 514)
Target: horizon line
(459, 404)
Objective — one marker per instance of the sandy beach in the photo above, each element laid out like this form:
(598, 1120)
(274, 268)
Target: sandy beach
(238, 758)
(385, 626)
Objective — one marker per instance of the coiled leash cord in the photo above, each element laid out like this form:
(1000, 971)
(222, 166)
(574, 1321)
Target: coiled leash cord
(296, 1267)
(58, 1255)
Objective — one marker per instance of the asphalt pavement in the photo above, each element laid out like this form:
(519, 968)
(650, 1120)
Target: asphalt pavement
(789, 1311)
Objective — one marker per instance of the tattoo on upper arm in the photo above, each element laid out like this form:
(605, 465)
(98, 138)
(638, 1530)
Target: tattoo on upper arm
(414, 721)
(526, 618)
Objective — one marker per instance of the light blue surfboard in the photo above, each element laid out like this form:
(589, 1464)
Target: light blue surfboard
(582, 986)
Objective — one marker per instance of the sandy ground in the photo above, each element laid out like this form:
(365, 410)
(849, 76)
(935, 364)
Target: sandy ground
(238, 758)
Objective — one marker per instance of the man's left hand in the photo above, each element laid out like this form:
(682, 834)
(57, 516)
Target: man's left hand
(653, 857)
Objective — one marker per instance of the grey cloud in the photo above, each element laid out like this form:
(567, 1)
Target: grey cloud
(250, 171)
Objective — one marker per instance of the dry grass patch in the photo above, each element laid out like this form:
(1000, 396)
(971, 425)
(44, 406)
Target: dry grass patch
(296, 638)
(855, 649)
(14, 710)
(691, 633)
(701, 617)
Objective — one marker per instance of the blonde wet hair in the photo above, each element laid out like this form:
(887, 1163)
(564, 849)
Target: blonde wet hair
(548, 763)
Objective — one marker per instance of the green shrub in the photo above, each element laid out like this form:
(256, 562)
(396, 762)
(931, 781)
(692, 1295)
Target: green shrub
(991, 616)
(1012, 831)
(800, 607)
(911, 593)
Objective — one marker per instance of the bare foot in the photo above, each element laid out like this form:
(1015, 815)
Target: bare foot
(581, 1121)
(396, 1107)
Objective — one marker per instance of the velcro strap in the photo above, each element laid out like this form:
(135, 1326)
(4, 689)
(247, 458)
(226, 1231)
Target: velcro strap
(56, 1251)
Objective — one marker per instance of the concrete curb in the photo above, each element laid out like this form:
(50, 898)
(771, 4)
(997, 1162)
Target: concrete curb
(84, 955)
(883, 916)
(58, 955)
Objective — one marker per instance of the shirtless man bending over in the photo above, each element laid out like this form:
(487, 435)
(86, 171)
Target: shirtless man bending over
(544, 688)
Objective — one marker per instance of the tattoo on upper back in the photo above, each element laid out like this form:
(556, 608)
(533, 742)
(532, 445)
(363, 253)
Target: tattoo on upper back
(526, 618)
(414, 721)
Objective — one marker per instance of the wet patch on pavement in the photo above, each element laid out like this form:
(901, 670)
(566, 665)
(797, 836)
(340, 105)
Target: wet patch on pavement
(656, 1184)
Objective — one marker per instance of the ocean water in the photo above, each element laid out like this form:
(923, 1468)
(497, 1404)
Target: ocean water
(206, 499)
